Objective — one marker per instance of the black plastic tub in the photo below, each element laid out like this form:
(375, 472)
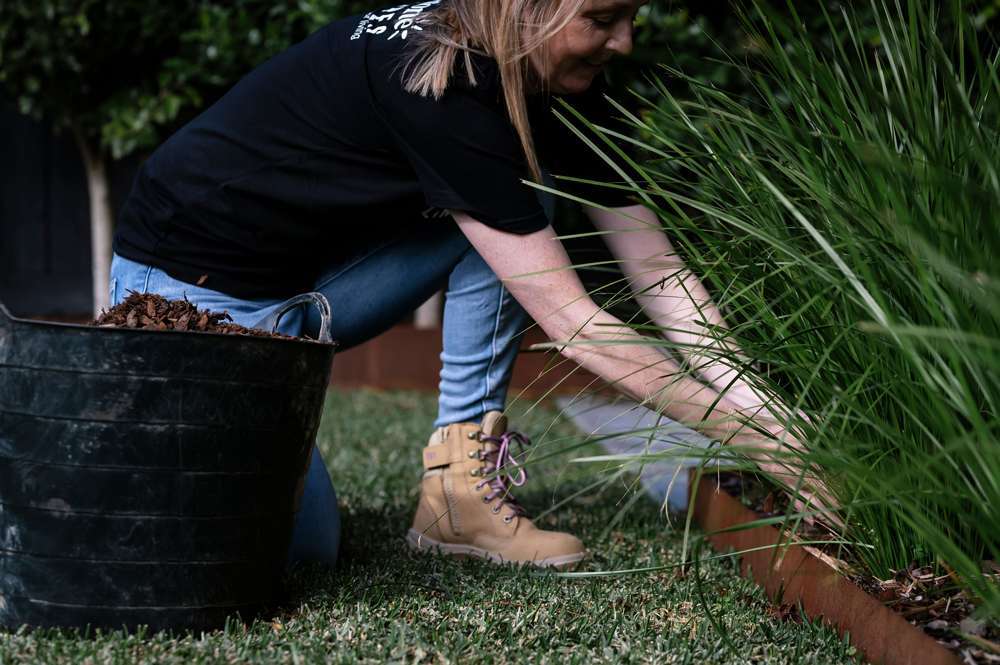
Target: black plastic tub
(150, 478)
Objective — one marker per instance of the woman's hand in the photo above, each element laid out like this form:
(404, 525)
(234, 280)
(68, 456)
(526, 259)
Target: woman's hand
(783, 457)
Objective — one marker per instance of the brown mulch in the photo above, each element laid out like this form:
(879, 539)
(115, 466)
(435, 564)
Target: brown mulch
(930, 597)
(148, 311)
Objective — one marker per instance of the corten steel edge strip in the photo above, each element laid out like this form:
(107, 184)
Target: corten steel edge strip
(790, 574)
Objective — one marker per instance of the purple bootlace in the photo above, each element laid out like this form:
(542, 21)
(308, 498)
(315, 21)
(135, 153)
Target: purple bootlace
(506, 472)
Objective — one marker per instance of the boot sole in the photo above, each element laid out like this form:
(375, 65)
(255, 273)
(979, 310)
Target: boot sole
(422, 543)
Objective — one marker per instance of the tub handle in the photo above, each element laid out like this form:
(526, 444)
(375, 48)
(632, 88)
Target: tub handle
(322, 304)
(6, 334)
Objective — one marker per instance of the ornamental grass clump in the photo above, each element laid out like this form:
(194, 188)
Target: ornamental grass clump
(846, 215)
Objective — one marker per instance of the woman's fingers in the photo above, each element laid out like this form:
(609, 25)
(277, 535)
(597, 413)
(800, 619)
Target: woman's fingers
(785, 459)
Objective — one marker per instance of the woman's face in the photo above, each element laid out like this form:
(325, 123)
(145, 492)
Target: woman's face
(573, 56)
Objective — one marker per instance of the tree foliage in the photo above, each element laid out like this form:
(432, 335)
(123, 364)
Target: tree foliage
(65, 59)
(125, 74)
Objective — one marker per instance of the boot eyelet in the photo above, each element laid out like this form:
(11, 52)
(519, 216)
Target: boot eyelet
(473, 454)
(508, 519)
(496, 509)
(486, 499)
(472, 435)
(474, 472)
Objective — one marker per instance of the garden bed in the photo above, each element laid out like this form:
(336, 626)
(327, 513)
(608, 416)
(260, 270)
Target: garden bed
(918, 616)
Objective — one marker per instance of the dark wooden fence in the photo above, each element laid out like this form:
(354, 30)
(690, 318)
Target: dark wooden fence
(44, 219)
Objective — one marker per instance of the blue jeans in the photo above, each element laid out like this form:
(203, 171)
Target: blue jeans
(368, 294)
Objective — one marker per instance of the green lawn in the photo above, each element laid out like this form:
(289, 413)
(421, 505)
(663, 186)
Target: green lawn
(386, 604)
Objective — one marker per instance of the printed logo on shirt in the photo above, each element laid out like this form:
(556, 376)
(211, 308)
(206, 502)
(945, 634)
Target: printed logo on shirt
(435, 213)
(396, 21)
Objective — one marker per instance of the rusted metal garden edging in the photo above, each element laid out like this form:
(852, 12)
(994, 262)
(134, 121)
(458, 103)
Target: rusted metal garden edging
(792, 574)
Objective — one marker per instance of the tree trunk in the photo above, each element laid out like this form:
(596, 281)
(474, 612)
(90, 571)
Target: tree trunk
(101, 219)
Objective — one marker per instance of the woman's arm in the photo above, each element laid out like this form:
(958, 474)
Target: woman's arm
(677, 301)
(537, 272)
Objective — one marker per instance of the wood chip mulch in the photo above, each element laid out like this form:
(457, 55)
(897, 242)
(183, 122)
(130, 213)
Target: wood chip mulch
(932, 598)
(148, 311)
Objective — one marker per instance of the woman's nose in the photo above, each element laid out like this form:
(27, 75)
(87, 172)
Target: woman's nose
(621, 41)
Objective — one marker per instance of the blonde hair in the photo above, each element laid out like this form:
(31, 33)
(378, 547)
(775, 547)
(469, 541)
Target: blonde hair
(508, 31)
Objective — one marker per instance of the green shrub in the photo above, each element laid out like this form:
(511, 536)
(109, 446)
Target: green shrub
(844, 210)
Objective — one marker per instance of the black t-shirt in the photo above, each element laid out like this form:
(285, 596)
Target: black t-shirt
(320, 152)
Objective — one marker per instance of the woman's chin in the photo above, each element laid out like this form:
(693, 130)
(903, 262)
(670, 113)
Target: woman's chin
(576, 84)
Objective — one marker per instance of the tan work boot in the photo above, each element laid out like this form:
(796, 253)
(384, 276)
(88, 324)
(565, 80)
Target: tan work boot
(465, 503)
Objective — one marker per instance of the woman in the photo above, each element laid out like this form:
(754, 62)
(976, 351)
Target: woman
(381, 160)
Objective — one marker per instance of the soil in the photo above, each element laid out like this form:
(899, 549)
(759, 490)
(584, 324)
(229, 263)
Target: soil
(927, 596)
(148, 311)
